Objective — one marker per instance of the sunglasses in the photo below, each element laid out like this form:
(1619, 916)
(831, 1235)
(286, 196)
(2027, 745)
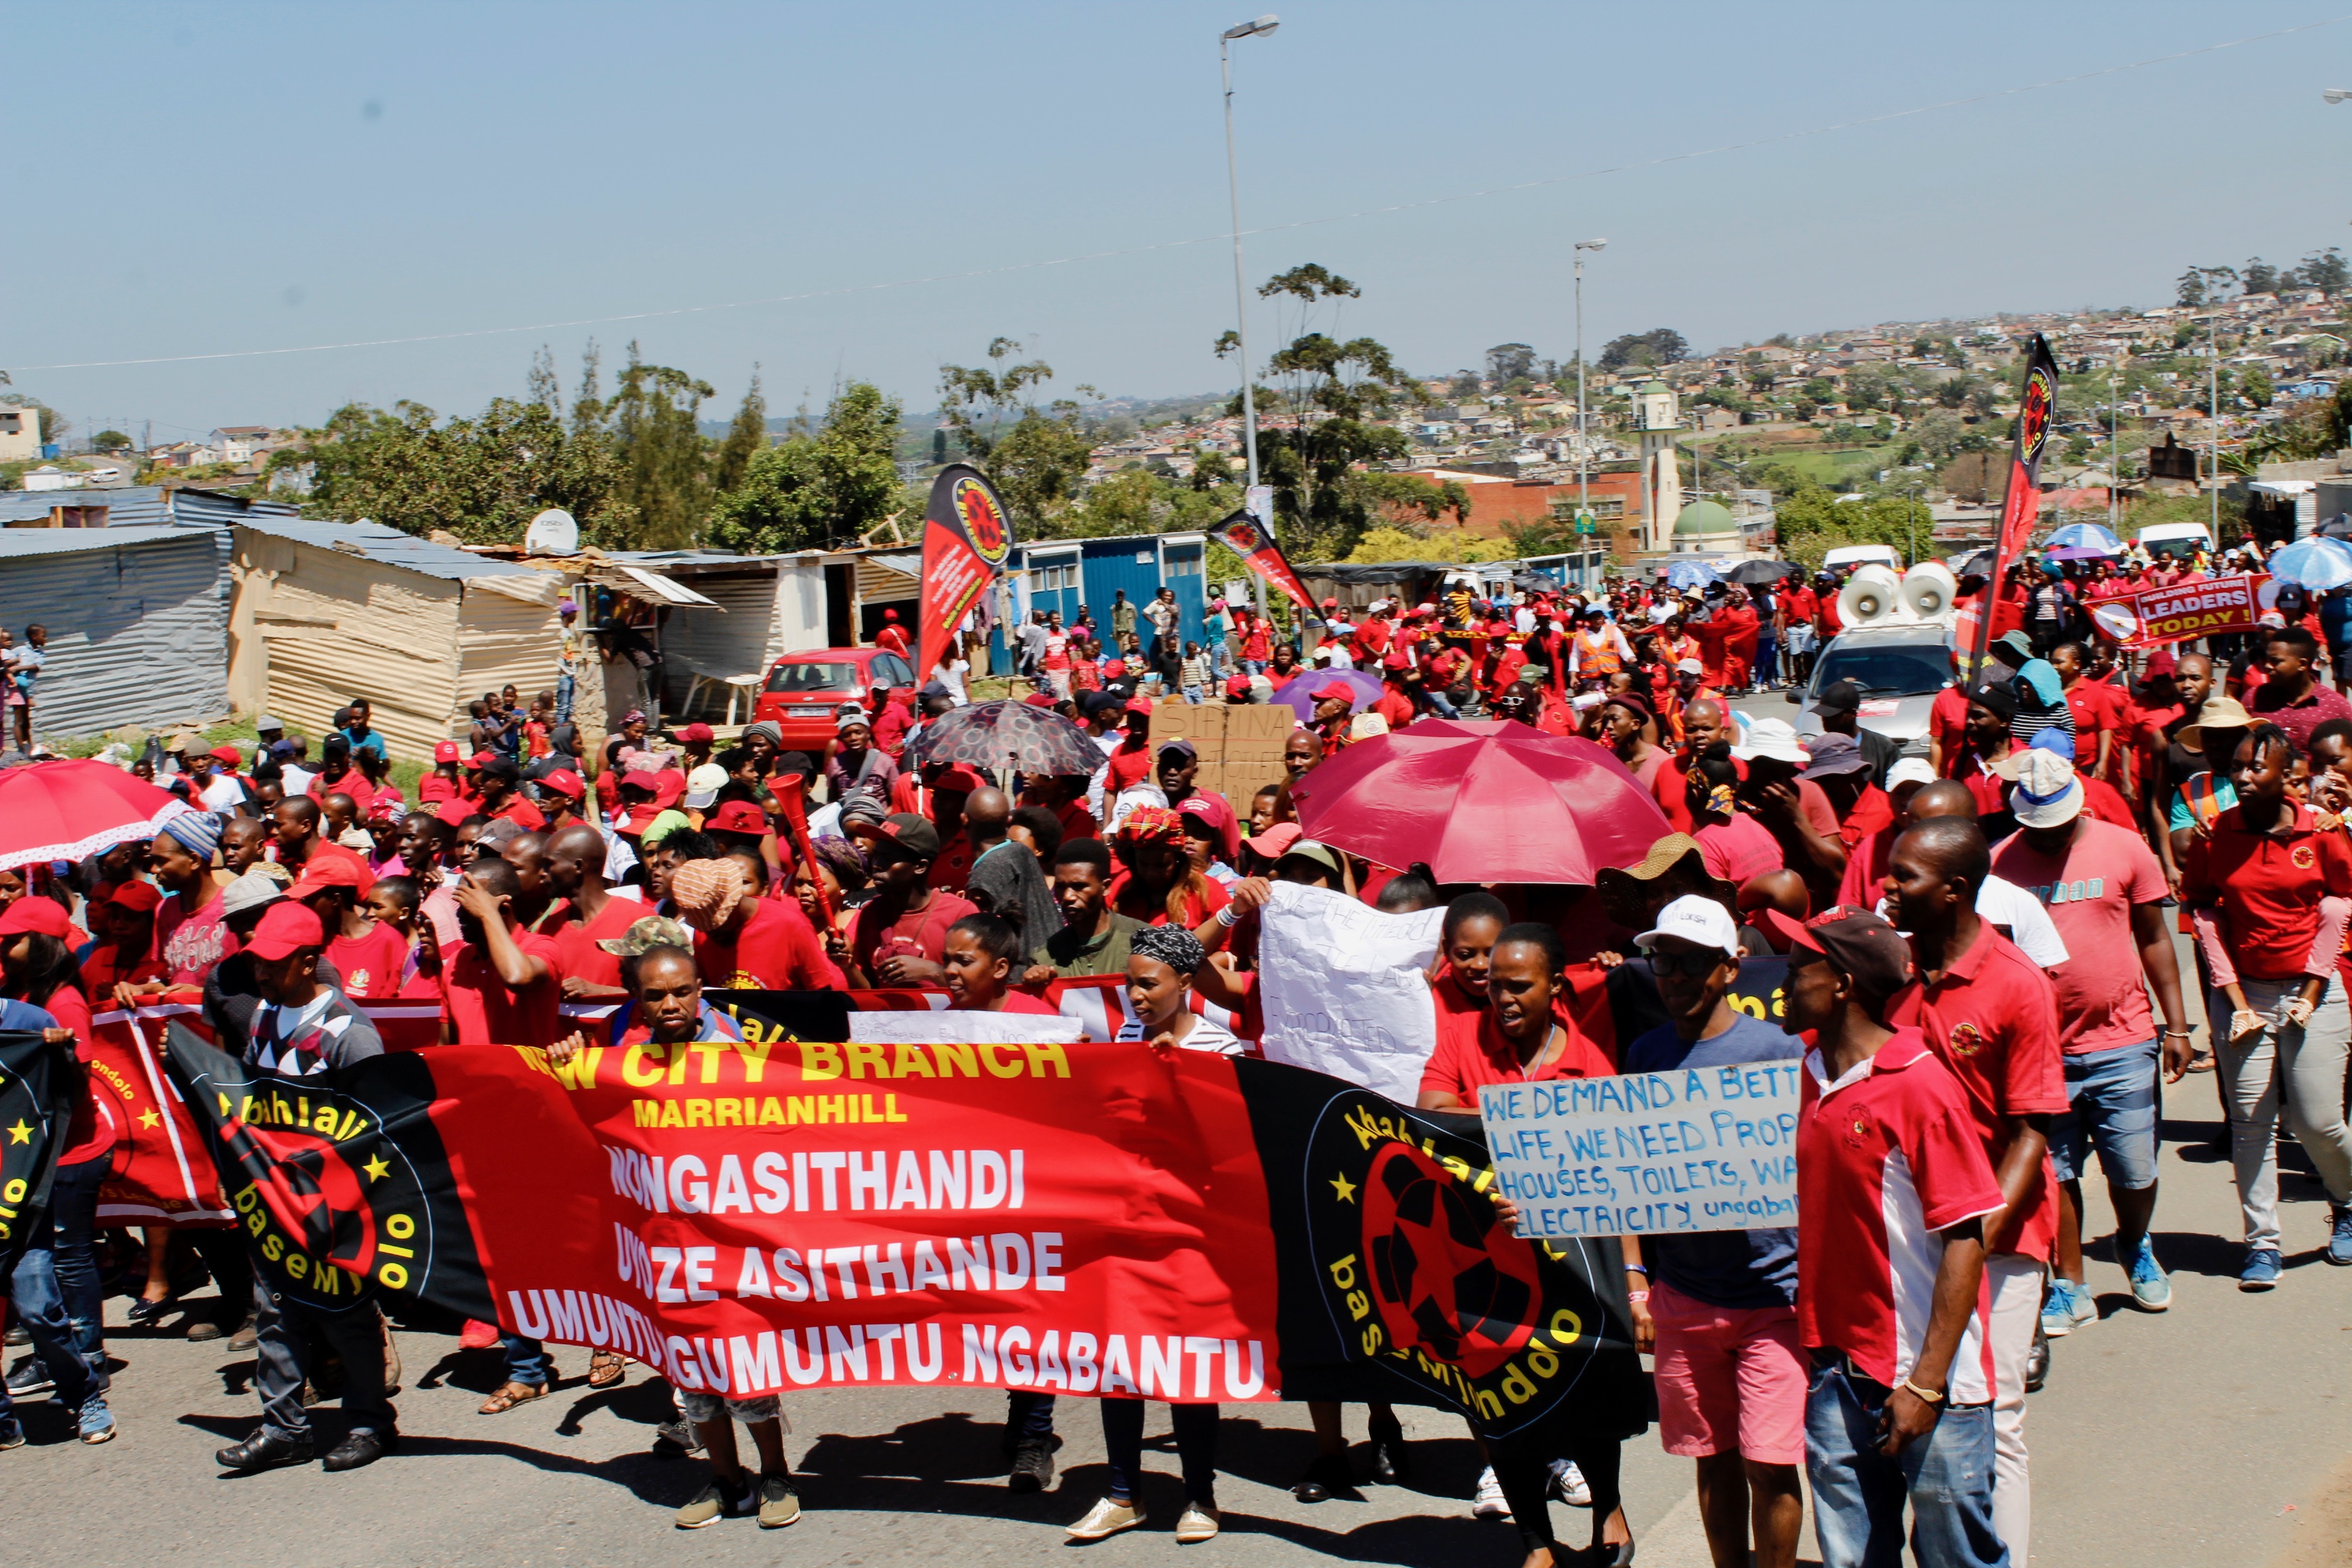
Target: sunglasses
(1694, 965)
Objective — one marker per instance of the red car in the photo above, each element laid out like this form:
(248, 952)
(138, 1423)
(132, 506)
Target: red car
(805, 690)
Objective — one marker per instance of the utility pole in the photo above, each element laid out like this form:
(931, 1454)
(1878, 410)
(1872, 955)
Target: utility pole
(1583, 430)
(2213, 426)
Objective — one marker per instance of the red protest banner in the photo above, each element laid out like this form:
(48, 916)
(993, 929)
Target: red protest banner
(767, 1214)
(1249, 539)
(159, 1172)
(2214, 607)
(967, 537)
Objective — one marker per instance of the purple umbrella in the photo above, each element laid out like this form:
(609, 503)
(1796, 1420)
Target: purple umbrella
(1298, 695)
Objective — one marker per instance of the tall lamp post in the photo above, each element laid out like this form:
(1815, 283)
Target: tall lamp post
(1583, 435)
(1263, 28)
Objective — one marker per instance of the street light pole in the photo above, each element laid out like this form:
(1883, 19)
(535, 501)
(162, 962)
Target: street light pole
(1264, 26)
(2213, 425)
(1583, 432)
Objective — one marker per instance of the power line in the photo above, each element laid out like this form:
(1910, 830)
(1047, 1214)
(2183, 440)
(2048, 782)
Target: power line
(1991, 97)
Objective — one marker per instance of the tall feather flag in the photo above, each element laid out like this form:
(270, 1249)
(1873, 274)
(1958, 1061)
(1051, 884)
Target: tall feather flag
(967, 541)
(1254, 542)
(2037, 406)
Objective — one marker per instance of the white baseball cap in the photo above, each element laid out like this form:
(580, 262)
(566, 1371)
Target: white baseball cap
(1700, 921)
(1910, 770)
(703, 785)
(1774, 738)
(1689, 667)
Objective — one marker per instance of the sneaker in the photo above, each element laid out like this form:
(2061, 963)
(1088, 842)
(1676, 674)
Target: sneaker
(30, 1376)
(2067, 1308)
(2339, 1236)
(1568, 1485)
(1197, 1524)
(12, 1434)
(780, 1505)
(2261, 1270)
(1033, 1465)
(713, 1503)
(1108, 1517)
(96, 1421)
(1489, 1503)
(2151, 1291)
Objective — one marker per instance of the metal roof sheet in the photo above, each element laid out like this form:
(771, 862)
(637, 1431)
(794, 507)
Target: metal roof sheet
(380, 542)
(16, 544)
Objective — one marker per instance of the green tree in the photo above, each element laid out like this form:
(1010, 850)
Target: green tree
(746, 438)
(2256, 387)
(2323, 270)
(820, 489)
(482, 479)
(1659, 345)
(1038, 463)
(2258, 277)
(111, 441)
(996, 390)
(663, 455)
(1812, 521)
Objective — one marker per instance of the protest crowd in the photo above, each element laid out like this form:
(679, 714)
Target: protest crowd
(1968, 941)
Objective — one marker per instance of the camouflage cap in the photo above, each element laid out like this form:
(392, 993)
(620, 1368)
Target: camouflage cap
(642, 936)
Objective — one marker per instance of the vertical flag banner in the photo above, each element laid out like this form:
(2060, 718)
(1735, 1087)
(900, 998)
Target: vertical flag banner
(967, 539)
(1254, 542)
(2037, 406)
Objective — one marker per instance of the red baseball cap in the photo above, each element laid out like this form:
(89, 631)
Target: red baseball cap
(482, 758)
(1336, 692)
(228, 754)
(288, 928)
(565, 783)
(1239, 686)
(669, 785)
(35, 915)
(323, 871)
(1138, 705)
(140, 896)
(694, 733)
(448, 751)
(454, 811)
(736, 817)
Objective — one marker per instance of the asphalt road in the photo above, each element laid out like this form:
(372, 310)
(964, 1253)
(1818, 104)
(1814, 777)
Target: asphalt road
(2219, 1432)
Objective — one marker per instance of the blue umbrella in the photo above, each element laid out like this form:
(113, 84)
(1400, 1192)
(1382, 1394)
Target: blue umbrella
(2086, 536)
(2315, 563)
(1691, 574)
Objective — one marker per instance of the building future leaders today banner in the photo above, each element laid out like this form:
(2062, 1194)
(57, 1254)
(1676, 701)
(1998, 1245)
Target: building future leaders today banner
(775, 1213)
(967, 539)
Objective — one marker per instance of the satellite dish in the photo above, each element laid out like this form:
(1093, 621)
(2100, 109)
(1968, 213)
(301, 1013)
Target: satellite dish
(552, 532)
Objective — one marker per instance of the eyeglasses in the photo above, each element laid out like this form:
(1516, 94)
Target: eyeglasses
(1693, 964)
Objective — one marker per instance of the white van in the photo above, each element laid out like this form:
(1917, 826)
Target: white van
(2174, 539)
(1847, 557)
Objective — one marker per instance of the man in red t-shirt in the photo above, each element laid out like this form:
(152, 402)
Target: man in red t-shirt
(295, 827)
(1988, 1012)
(743, 942)
(1131, 763)
(498, 782)
(499, 983)
(2105, 894)
(371, 956)
(575, 873)
(900, 934)
(2097, 708)
(892, 636)
(1893, 1194)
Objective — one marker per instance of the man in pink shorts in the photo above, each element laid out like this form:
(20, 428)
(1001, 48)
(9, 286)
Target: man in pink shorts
(1720, 1307)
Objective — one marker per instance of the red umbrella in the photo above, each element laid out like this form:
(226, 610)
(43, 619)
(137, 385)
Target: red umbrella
(67, 808)
(1482, 801)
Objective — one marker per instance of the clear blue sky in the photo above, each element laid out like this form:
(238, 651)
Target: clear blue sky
(236, 177)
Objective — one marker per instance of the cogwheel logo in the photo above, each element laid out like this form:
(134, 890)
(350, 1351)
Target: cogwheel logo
(1967, 1039)
(983, 521)
(1447, 1277)
(1243, 536)
(2304, 856)
(2034, 413)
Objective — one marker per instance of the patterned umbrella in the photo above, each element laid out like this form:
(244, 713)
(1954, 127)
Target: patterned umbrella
(988, 735)
(70, 808)
(2315, 563)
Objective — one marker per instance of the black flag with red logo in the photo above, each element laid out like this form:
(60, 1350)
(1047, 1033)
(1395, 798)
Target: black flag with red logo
(36, 1104)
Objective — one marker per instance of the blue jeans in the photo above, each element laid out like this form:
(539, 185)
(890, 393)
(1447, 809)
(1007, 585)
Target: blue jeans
(526, 1360)
(2110, 1105)
(1252, 666)
(564, 687)
(1442, 704)
(73, 1211)
(1859, 1493)
(1192, 695)
(1028, 1414)
(34, 1301)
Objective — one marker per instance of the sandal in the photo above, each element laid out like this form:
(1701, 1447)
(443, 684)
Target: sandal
(606, 1368)
(509, 1395)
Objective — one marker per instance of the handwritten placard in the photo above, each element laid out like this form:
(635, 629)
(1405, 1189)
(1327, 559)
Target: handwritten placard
(1662, 1153)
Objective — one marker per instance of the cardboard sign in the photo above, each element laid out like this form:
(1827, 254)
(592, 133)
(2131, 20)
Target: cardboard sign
(1240, 746)
(1663, 1153)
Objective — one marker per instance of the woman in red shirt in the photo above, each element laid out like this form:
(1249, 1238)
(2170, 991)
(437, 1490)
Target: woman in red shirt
(1158, 884)
(983, 953)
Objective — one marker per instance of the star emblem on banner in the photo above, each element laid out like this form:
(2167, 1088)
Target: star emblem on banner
(22, 1133)
(1345, 1188)
(376, 1168)
(150, 1120)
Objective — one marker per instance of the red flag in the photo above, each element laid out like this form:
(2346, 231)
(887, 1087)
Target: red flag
(1248, 538)
(161, 1173)
(2037, 406)
(966, 538)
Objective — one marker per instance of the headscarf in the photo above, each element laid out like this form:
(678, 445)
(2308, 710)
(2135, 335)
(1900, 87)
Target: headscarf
(1174, 946)
(199, 832)
(1151, 824)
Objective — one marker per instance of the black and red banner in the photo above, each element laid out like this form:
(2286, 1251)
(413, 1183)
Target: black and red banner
(37, 1097)
(780, 1213)
(1254, 542)
(967, 539)
(2037, 408)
